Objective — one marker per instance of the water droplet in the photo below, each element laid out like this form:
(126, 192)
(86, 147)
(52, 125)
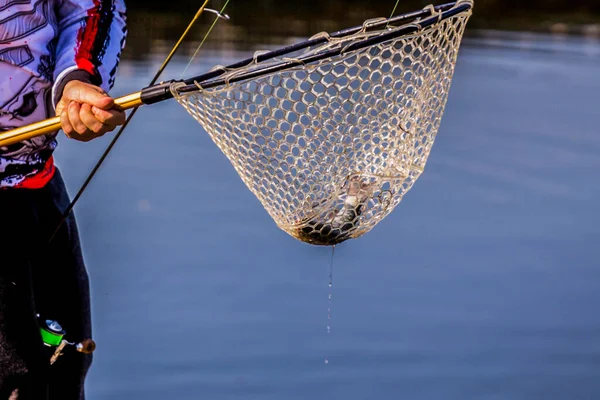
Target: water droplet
(329, 301)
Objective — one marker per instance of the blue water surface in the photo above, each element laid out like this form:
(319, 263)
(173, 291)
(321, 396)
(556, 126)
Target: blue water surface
(484, 283)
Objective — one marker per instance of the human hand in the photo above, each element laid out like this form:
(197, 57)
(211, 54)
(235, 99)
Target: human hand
(87, 112)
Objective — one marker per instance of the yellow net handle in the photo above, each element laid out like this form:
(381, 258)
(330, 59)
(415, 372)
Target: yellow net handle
(52, 125)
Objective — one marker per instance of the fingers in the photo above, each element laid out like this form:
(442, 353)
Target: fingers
(65, 122)
(91, 123)
(73, 112)
(86, 111)
(80, 122)
(110, 117)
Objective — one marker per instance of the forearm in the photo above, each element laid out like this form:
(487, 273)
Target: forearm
(90, 41)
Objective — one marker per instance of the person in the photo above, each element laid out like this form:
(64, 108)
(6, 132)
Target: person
(57, 57)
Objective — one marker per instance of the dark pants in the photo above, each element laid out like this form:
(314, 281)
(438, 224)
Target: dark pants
(46, 279)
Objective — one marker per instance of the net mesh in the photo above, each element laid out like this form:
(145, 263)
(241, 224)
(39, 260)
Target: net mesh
(331, 148)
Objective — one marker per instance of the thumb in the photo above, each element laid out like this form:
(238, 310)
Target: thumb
(92, 95)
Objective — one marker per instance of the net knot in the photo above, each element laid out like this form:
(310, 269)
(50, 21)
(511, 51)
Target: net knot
(173, 88)
(257, 54)
(219, 68)
(370, 22)
(296, 61)
(320, 35)
(200, 88)
(433, 12)
(461, 2)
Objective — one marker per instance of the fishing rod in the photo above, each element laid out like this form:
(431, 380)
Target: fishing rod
(125, 103)
(155, 93)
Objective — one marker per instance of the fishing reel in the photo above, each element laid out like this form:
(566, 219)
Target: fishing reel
(53, 337)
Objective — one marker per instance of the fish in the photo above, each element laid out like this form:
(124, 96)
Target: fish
(336, 226)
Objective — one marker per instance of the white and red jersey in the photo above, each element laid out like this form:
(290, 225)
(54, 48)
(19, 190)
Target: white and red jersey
(43, 45)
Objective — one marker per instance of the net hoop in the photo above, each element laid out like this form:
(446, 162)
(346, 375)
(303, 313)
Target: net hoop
(330, 133)
(419, 21)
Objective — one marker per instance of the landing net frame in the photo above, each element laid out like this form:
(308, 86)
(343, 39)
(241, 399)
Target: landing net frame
(332, 132)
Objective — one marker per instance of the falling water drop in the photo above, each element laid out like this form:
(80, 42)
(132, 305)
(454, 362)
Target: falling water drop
(329, 301)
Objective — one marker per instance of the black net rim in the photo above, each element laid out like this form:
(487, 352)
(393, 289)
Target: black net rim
(421, 20)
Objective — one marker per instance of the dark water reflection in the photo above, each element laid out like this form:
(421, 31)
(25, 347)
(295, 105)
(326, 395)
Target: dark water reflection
(254, 23)
(483, 284)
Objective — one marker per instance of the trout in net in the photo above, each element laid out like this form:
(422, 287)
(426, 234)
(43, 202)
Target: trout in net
(338, 225)
(331, 133)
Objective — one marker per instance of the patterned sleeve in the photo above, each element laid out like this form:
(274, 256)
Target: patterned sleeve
(91, 36)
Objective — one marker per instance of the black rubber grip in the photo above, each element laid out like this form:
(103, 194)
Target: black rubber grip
(154, 94)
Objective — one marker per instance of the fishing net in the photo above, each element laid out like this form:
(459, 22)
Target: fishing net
(330, 137)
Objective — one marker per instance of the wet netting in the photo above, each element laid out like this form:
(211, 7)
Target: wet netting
(331, 133)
